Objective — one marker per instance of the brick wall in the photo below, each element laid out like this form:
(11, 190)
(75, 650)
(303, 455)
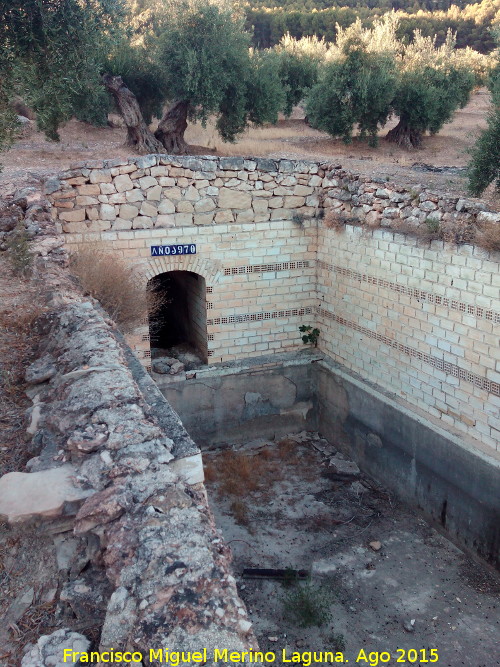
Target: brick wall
(419, 319)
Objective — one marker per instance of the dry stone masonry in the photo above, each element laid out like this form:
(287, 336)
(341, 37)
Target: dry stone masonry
(116, 467)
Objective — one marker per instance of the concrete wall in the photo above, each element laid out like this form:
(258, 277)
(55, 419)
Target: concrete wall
(453, 483)
(268, 399)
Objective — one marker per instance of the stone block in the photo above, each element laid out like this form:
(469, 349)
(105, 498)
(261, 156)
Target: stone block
(234, 199)
(128, 212)
(82, 200)
(165, 207)
(165, 221)
(203, 218)
(172, 193)
(78, 180)
(100, 176)
(260, 205)
(146, 161)
(245, 216)
(276, 202)
(182, 219)
(166, 182)
(204, 205)
(192, 194)
(154, 193)
(147, 182)
(134, 195)
(185, 207)
(48, 493)
(142, 222)
(107, 212)
(77, 215)
(294, 202)
(120, 224)
(74, 227)
(117, 198)
(123, 183)
(232, 163)
(303, 190)
(90, 189)
(280, 191)
(107, 188)
(161, 170)
(127, 169)
(222, 217)
(92, 212)
(99, 225)
(149, 209)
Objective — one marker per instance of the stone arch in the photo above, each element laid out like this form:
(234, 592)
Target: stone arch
(209, 269)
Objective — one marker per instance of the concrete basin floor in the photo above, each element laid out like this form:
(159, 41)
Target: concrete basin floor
(382, 578)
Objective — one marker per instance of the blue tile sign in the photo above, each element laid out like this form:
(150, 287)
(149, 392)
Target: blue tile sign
(163, 250)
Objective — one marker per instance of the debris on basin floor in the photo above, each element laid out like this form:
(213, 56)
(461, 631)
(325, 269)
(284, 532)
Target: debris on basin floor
(382, 578)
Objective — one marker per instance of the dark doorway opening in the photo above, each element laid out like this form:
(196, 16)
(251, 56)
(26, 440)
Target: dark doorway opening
(179, 325)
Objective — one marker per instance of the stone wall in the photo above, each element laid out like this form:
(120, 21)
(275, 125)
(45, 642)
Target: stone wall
(288, 243)
(118, 481)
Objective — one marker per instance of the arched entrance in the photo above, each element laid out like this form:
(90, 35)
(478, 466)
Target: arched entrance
(179, 326)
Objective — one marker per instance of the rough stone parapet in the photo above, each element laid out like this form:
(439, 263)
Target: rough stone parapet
(162, 191)
(142, 512)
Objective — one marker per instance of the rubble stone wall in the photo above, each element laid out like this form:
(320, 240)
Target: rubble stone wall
(117, 477)
(419, 318)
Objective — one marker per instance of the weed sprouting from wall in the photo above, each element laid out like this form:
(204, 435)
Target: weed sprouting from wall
(19, 252)
(310, 335)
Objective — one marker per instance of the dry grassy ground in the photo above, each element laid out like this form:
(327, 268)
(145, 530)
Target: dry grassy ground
(33, 156)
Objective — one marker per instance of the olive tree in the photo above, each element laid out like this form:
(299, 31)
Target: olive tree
(204, 53)
(433, 84)
(355, 89)
(358, 82)
(484, 167)
(298, 64)
(52, 55)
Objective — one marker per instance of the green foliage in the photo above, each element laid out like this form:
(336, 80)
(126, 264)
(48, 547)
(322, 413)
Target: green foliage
(484, 167)
(203, 50)
(433, 84)
(264, 93)
(204, 53)
(141, 74)
(307, 605)
(298, 62)
(356, 88)
(310, 335)
(19, 251)
(471, 21)
(55, 52)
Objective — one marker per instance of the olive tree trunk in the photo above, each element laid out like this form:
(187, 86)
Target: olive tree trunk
(405, 136)
(139, 136)
(172, 127)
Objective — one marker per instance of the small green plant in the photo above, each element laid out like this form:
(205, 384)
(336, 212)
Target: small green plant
(336, 642)
(20, 255)
(432, 224)
(306, 605)
(310, 335)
